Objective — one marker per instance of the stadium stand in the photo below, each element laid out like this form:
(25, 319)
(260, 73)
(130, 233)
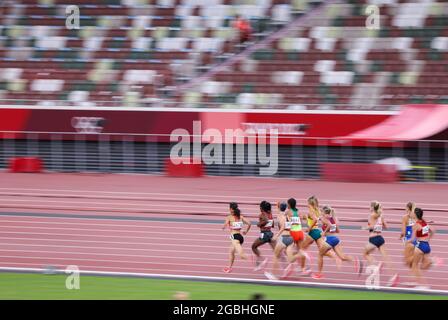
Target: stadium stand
(124, 50)
(141, 52)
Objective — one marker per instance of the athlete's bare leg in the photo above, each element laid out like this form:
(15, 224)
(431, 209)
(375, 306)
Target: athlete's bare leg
(426, 262)
(408, 254)
(418, 256)
(239, 249)
(277, 253)
(383, 252)
(232, 254)
(320, 260)
(341, 255)
(255, 250)
(367, 251)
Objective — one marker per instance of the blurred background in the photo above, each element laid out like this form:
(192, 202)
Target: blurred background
(309, 54)
(321, 72)
(358, 91)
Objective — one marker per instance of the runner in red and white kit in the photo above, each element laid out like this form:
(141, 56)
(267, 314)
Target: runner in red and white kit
(330, 229)
(421, 234)
(265, 223)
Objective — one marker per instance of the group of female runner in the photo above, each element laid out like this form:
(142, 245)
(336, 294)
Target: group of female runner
(293, 239)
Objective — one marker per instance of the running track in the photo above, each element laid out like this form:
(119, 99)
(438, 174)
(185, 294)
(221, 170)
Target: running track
(166, 226)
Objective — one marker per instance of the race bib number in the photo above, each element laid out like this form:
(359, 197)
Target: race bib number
(425, 230)
(378, 228)
(333, 228)
(269, 224)
(295, 220)
(237, 225)
(288, 225)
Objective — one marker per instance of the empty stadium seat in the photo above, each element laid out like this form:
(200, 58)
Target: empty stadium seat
(131, 50)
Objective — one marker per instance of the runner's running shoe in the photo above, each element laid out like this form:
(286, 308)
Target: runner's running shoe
(227, 269)
(261, 265)
(317, 276)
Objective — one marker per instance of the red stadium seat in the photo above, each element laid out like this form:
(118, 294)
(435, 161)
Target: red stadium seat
(26, 165)
(187, 168)
(358, 172)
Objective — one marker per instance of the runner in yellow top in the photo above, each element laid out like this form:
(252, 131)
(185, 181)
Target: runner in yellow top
(314, 232)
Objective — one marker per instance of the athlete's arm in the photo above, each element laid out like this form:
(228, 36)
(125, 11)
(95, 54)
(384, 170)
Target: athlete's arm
(281, 224)
(315, 219)
(384, 223)
(327, 223)
(414, 233)
(431, 232)
(263, 220)
(309, 226)
(404, 223)
(336, 221)
(369, 224)
(247, 222)
(226, 223)
(278, 214)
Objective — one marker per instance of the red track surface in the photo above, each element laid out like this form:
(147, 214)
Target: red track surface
(196, 247)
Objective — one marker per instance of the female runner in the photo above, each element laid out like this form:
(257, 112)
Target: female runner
(376, 224)
(265, 223)
(408, 221)
(314, 232)
(298, 236)
(287, 222)
(421, 234)
(235, 222)
(329, 230)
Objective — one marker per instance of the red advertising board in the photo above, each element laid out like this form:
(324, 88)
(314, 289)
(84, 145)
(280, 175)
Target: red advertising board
(116, 122)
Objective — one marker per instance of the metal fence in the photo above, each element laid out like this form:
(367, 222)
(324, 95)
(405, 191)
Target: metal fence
(146, 154)
(164, 101)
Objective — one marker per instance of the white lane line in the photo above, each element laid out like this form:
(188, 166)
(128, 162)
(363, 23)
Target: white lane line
(202, 209)
(142, 224)
(335, 275)
(331, 267)
(110, 219)
(229, 279)
(76, 207)
(167, 236)
(213, 272)
(221, 249)
(209, 196)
